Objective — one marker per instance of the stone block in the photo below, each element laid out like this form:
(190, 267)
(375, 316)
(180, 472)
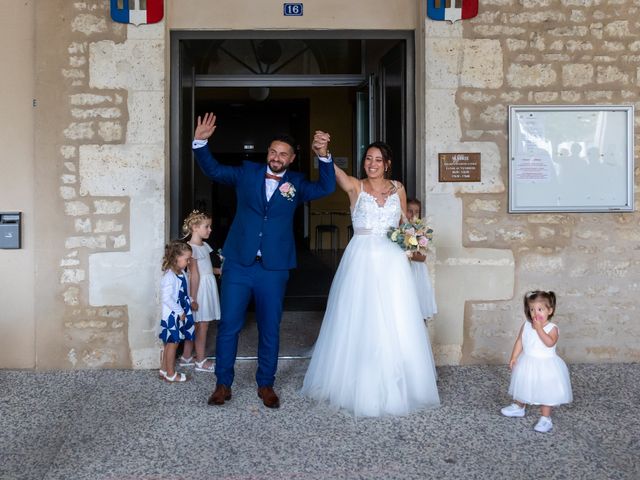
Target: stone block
(545, 97)
(91, 242)
(498, 31)
(68, 193)
(479, 205)
(618, 28)
(482, 64)
(134, 65)
(76, 208)
(442, 121)
(570, 96)
(146, 118)
(519, 75)
(578, 45)
(79, 131)
(72, 275)
(614, 46)
(110, 131)
(611, 74)
(577, 74)
(115, 170)
(108, 226)
(108, 207)
(82, 225)
(577, 16)
(477, 97)
(515, 45)
(71, 296)
(89, 99)
(89, 24)
(105, 112)
(68, 151)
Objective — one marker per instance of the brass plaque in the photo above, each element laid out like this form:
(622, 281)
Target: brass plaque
(459, 167)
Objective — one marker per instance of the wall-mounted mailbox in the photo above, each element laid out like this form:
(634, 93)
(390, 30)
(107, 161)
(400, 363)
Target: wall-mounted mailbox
(10, 229)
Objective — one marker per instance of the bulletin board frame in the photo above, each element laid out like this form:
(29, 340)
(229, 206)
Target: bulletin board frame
(577, 158)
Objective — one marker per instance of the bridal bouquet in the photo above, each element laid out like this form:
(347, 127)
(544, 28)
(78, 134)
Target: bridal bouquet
(412, 236)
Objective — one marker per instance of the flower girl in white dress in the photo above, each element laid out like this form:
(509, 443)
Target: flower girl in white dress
(539, 376)
(426, 294)
(373, 355)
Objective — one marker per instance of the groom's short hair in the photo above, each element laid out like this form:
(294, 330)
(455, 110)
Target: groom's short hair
(284, 138)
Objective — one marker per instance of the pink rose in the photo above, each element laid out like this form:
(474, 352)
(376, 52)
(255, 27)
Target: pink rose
(423, 241)
(285, 187)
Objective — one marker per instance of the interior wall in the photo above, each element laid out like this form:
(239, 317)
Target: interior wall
(17, 30)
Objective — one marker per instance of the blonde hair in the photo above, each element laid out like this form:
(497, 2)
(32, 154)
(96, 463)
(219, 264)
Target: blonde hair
(195, 218)
(172, 251)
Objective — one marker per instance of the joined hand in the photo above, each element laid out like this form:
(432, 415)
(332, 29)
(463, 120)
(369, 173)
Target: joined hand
(320, 144)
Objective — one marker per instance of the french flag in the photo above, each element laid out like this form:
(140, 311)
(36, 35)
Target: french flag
(137, 12)
(451, 10)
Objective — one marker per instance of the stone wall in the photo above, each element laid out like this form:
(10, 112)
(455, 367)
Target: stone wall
(100, 150)
(545, 52)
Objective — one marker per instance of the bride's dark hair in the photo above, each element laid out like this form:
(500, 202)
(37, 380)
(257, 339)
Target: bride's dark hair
(387, 156)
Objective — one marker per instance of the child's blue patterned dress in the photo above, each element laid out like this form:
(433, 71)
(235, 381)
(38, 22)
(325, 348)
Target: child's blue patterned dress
(175, 330)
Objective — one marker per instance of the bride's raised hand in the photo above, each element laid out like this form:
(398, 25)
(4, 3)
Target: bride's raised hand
(205, 126)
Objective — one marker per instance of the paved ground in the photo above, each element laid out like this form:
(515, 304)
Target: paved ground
(130, 425)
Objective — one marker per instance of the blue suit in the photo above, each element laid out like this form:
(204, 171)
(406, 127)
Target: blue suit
(265, 226)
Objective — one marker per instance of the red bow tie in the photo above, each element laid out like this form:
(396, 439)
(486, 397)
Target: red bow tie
(272, 176)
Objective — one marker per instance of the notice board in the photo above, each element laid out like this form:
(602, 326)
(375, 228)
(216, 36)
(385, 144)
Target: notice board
(570, 158)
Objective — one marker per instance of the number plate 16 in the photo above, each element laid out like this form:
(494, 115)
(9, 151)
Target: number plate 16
(292, 9)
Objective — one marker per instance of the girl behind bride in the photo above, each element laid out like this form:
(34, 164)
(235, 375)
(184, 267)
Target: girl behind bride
(373, 355)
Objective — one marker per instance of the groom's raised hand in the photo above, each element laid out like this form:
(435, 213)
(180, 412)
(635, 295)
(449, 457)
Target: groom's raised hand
(205, 127)
(320, 144)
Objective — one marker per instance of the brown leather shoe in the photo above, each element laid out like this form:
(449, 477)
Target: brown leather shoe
(269, 397)
(220, 395)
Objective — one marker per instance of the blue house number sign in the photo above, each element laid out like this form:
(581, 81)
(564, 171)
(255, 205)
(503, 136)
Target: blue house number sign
(292, 9)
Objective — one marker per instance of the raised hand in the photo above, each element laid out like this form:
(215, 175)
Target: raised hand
(205, 127)
(320, 144)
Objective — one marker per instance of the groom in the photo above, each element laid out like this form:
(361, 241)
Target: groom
(259, 250)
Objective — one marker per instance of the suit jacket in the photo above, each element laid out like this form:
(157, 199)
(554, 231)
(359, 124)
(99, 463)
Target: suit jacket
(262, 225)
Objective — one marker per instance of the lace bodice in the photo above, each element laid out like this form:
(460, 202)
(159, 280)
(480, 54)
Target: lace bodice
(369, 218)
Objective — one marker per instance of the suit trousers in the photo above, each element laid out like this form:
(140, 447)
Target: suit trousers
(239, 284)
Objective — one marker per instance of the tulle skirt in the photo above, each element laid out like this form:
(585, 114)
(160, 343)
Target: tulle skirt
(541, 381)
(208, 300)
(373, 355)
(426, 294)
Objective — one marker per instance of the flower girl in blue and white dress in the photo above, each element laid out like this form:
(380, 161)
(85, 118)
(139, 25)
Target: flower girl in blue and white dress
(539, 376)
(177, 321)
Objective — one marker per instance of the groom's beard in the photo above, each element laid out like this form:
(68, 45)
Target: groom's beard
(276, 167)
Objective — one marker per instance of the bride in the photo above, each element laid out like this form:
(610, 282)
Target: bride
(373, 355)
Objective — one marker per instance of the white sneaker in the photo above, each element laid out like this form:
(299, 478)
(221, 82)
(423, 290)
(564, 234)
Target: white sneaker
(513, 410)
(544, 425)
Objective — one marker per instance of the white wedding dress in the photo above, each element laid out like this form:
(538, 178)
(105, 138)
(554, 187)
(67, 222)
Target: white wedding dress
(373, 355)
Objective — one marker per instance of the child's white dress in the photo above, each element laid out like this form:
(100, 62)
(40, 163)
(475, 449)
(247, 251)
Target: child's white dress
(426, 293)
(208, 299)
(540, 376)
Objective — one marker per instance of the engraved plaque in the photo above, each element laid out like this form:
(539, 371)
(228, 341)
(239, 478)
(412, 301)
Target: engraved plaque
(459, 167)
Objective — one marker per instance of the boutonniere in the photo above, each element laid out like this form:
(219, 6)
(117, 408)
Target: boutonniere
(287, 190)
